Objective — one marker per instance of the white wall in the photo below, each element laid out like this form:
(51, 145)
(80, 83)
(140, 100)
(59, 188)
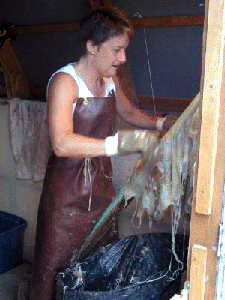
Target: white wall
(20, 197)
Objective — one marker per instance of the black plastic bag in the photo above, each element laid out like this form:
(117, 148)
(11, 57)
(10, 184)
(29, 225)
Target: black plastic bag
(137, 267)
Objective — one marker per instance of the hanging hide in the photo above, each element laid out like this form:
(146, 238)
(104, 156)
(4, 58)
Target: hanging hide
(167, 175)
(159, 181)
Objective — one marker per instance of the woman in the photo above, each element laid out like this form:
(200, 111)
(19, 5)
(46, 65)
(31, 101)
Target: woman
(83, 99)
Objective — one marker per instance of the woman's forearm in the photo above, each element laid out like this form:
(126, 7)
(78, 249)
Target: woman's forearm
(76, 145)
(141, 119)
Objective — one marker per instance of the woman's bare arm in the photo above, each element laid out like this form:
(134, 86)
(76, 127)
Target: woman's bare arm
(62, 93)
(137, 117)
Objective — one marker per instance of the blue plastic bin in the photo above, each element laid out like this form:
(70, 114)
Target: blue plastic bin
(12, 230)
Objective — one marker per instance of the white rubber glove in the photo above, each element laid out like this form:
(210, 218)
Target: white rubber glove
(111, 145)
(126, 142)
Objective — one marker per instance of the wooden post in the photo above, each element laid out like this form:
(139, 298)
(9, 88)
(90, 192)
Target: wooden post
(206, 212)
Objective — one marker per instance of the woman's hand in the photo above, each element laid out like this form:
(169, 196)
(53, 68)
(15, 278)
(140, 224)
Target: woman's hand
(169, 121)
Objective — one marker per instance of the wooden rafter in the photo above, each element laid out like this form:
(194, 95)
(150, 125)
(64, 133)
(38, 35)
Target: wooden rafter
(166, 21)
(44, 28)
(16, 81)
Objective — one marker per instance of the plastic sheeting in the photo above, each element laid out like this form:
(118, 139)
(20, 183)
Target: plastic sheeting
(137, 267)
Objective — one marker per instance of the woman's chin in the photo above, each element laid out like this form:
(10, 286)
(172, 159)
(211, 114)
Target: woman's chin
(112, 72)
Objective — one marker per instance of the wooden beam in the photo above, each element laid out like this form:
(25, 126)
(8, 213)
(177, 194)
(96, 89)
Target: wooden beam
(9, 59)
(16, 81)
(45, 28)
(166, 21)
(206, 208)
(164, 104)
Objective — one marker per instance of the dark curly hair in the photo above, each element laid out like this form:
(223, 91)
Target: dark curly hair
(102, 24)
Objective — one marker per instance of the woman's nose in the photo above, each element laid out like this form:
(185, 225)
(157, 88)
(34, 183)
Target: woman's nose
(122, 56)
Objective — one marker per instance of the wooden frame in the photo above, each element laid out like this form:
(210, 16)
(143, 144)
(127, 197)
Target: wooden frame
(206, 212)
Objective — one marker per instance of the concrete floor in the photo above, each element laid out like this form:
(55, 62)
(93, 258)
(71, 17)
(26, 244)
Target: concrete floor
(11, 280)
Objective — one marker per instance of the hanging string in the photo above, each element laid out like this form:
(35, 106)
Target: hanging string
(176, 211)
(150, 72)
(103, 171)
(137, 14)
(135, 214)
(87, 176)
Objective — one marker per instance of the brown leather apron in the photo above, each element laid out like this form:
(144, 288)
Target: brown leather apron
(75, 193)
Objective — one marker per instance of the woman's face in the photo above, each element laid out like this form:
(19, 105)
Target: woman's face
(111, 54)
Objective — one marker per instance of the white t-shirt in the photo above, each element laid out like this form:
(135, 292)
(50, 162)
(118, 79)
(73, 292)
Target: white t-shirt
(83, 90)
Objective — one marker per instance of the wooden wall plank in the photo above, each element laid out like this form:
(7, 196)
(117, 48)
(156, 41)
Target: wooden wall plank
(198, 272)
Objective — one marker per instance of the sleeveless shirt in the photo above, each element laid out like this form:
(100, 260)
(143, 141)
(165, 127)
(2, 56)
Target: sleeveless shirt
(83, 90)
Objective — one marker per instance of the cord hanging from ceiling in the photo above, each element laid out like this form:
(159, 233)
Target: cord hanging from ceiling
(138, 15)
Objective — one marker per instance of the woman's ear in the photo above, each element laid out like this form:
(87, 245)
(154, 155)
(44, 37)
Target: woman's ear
(91, 47)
